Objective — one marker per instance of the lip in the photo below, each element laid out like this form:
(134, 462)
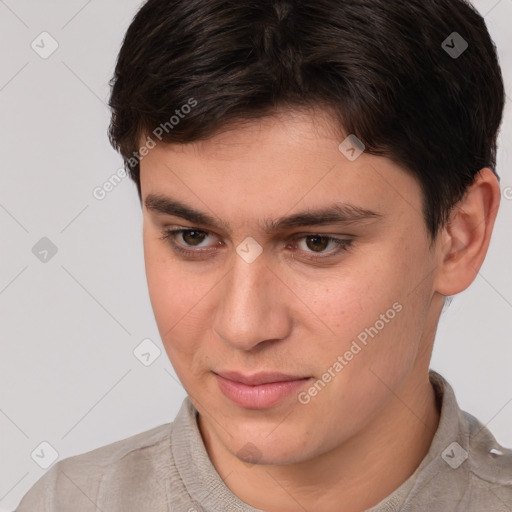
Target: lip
(259, 378)
(259, 391)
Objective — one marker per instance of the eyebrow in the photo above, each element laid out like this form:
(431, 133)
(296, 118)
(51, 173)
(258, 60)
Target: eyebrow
(338, 213)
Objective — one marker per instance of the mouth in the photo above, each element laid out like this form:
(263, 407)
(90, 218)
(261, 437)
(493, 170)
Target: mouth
(259, 391)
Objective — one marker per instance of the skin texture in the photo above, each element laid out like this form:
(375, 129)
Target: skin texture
(369, 428)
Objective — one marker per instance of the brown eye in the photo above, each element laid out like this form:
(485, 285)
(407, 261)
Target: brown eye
(193, 237)
(188, 242)
(319, 247)
(317, 244)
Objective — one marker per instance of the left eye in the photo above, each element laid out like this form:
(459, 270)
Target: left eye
(317, 243)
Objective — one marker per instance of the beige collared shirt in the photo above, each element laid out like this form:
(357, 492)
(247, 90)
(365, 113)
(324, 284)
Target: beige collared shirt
(168, 469)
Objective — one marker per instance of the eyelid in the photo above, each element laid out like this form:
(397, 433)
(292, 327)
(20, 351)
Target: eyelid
(171, 233)
(343, 243)
(312, 232)
(176, 229)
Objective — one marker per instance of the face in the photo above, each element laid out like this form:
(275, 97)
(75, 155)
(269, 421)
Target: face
(343, 305)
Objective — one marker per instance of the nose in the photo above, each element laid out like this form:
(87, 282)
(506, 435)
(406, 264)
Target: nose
(252, 306)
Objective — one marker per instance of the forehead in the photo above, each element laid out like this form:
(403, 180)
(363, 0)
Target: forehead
(290, 162)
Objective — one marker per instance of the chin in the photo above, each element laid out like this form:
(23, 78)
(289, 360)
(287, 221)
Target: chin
(262, 449)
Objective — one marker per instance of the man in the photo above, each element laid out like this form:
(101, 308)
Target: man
(316, 177)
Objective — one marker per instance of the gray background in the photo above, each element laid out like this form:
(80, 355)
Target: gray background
(69, 326)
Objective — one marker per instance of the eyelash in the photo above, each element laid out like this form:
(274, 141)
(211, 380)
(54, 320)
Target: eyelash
(170, 235)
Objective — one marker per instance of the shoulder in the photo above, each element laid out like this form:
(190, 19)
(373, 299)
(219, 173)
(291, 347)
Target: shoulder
(489, 464)
(466, 469)
(121, 466)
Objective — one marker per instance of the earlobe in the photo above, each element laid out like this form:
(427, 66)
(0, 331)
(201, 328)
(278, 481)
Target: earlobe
(466, 236)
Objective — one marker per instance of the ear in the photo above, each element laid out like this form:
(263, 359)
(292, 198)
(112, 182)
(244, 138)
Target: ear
(464, 241)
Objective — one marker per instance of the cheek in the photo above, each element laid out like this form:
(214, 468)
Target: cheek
(375, 309)
(349, 298)
(176, 296)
